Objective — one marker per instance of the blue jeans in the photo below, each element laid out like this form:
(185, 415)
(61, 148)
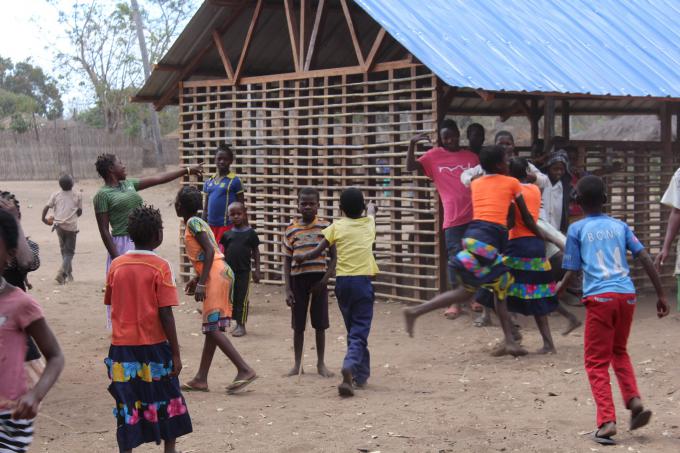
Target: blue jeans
(453, 237)
(355, 299)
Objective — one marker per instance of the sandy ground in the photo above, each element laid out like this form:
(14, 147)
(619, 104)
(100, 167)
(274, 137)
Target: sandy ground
(437, 392)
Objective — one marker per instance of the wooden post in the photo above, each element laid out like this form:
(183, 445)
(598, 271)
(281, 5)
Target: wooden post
(565, 119)
(548, 122)
(535, 116)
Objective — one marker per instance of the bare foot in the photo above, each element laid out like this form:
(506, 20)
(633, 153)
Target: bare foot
(453, 312)
(515, 350)
(239, 331)
(323, 371)
(410, 319)
(195, 385)
(547, 350)
(294, 371)
(574, 324)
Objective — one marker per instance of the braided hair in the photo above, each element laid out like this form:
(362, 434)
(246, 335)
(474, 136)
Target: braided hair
(8, 231)
(191, 199)
(9, 196)
(104, 164)
(144, 223)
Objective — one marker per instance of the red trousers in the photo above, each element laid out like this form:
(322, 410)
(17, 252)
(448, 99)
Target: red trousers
(608, 320)
(218, 231)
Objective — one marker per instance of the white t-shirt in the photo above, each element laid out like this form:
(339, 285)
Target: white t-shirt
(671, 198)
(552, 204)
(65, 206)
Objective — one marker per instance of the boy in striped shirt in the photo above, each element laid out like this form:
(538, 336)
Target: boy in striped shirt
(308, 279)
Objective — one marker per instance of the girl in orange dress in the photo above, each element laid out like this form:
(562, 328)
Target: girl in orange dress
(213, 286)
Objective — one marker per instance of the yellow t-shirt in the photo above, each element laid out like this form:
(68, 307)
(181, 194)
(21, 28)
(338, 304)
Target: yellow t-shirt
(353, 240)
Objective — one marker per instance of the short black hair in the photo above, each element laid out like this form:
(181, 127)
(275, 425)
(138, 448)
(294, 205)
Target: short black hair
(66, 182)
(475, 126)
(352, 202)
(490, 157)
(190, 198)
(144, 223)
(518, 167)
(104, 164)
(309, 191)
(448, 123)
(9, 231)
(224, 148)
(591, 191)
(9, 196)
(503, 134)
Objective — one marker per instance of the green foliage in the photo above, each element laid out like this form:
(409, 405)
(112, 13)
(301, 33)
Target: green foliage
(18, 123)
(25, 88)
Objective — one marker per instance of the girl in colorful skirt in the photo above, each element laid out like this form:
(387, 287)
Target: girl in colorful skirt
(480, 263)
(144, 360)
(213, 286)
(20, 317)
(533, 292)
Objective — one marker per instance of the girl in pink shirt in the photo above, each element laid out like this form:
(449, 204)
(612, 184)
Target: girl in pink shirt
(21, 316)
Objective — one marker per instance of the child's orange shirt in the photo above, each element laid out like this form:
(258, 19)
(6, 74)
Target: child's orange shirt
(532, 198)
(491, 197)
(137, 285)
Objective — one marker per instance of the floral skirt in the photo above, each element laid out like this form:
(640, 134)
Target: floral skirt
(149, 404)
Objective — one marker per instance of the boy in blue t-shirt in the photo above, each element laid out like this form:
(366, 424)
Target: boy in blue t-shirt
(222, 189)
(597, 245)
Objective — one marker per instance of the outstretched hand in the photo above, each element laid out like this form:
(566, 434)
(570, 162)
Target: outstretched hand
(660, 259)
(422, 137)
(196, 169)
(662, 308)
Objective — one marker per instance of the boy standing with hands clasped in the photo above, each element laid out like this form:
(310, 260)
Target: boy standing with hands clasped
(353, 236)
(597, 245)
(308, 279)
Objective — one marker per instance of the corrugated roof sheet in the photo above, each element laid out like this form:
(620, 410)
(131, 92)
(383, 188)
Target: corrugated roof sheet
(603, 47)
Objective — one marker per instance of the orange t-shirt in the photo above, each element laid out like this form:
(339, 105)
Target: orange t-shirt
(532, 198)
(138, 284)
(491, 197)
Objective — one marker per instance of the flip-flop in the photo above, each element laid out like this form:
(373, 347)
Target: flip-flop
(602, 440)
(239, 384)
(186, 387)
(640, 419)
(453, 314)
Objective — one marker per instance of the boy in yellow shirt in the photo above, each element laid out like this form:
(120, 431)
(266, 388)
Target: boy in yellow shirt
(353, 237)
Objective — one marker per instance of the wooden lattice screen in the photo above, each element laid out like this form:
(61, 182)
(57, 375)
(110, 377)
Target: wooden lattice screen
(635, 192)
(328, 132)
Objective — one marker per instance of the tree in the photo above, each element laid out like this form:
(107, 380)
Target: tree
(27, 89)
(104, 48)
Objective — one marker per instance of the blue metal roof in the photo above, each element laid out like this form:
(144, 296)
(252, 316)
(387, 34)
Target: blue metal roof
(615, 47)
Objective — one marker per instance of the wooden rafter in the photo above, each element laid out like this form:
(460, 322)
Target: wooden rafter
(320, 10)
(223, 55)
(293, 32)
(305, 14)
(485, 95)
(246, 43)
(352, 32)
(167, 67)
(186, 70)
(519, 106)
(370, 60)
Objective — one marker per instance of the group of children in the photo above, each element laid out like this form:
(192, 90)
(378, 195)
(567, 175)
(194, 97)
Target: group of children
(497, 255)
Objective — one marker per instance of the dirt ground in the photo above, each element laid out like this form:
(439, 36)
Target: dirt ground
(437, 392)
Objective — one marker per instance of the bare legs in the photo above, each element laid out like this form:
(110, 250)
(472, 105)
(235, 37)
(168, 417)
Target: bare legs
(454, 296)
(213, 340)
(544, 329)
(298, 342)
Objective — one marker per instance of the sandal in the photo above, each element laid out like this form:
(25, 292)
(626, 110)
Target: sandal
(240, 384)
(186, 387)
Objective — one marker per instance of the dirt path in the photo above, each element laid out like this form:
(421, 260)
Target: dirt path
(438, 392)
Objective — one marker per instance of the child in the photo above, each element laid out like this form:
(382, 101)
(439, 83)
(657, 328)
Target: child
(480, 263)
(597, 245)
(213, 286)
(221, 190)
(309, 279)
(240, 245)
(671, 199)
(533, 292)
(444, 165)
(21, 317)
(353, 236)
(67, 206)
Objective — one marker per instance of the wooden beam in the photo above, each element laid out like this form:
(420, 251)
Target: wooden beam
(565, 119)
(172, 92)
(167, 67)
(305, 14)
(246, 43)
(320, 11)
(445, 98)
(486, 96)
(293, 33)
(352, 32)
(533, 118)
(518, 106)
(548, 122)
(223, 55)
(370, 60)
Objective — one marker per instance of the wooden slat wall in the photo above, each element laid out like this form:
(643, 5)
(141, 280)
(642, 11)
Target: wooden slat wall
(328, 132)
(635, 192)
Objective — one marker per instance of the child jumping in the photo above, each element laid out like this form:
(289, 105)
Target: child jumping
(67, 206)
(241, 247)
(144, 358)
(308, 279)
(353, 236)
(21, 317)
(597, 245)
(213, 286)
(221, 190)
(480, 263)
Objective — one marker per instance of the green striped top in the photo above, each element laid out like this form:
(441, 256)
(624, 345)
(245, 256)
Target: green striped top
(118, 202)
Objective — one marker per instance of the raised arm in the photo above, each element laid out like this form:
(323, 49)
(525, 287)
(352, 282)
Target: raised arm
(471, 174)
(662, 303)
(671, 233)
(527, 218)
(107, 239)
(412, 163)
(162, 178)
